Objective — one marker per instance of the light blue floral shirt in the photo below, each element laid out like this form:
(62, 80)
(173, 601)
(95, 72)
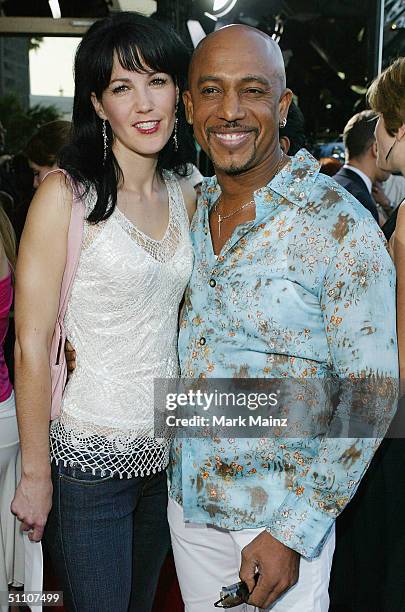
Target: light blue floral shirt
(306, 290)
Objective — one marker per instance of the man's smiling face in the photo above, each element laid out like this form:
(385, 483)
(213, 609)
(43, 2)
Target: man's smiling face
(237, 94)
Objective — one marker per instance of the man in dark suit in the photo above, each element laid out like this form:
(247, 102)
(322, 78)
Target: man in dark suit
(360, 170)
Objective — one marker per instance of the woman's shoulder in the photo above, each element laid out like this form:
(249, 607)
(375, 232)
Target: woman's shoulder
(188, 191)
(52, 203)
(401, 207)
(397, 239)
(56, 182)
(400, 222)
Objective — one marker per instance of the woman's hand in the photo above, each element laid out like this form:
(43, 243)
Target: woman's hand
(32, 503)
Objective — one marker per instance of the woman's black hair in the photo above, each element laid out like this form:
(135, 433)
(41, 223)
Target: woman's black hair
(137, 41)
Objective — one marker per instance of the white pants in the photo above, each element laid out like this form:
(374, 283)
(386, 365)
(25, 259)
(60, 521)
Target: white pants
(208, 558)
(20, 559)
(11, 543)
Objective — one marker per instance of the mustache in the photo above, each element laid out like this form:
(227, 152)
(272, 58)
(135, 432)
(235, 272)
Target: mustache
(234, 127)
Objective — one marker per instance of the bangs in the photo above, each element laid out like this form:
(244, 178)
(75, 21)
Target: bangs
(133, 60)
(136, 51)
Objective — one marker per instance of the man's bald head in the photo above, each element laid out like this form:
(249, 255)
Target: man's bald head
(236, 39)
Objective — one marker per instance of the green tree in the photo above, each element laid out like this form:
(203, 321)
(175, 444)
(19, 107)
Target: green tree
(21, 124)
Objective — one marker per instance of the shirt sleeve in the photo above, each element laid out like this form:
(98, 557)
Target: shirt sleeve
(357, 299)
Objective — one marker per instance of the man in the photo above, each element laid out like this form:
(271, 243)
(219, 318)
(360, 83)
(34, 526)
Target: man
(360, 171)
(291, 279)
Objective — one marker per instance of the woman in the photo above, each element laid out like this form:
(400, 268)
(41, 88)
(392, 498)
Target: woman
(387, 98)
(368, 570)
(107, 530)
(11, 544)
(390, 135)
(43, 148)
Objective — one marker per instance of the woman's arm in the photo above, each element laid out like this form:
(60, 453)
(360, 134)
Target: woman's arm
(41, 262)
(399, 259)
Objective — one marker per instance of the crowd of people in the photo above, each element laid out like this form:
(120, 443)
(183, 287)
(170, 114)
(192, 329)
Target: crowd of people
(269, 269)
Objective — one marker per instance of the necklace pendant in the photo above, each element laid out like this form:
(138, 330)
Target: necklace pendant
(219, 225)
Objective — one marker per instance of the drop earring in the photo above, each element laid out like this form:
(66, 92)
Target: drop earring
(283, 122)
(175, 133)
(105, 140)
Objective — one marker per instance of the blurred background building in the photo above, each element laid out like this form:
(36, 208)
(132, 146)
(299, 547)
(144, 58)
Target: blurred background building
(14, 68)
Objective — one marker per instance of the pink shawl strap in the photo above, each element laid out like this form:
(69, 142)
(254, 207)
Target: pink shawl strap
(57, 358)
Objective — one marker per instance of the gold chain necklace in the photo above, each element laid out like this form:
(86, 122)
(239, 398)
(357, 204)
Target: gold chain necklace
(222, 218)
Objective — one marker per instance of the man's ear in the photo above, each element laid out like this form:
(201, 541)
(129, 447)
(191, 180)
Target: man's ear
(285, 144)
(98, 107)
(374, 149)
(284, 103)
(188, 105)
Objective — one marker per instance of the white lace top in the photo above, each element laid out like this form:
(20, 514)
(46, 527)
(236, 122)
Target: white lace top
(122, 320)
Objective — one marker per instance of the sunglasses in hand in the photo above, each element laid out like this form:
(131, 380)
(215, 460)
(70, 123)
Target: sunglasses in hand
(234, 595)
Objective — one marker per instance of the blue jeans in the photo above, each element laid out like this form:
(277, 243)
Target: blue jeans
(107, 538)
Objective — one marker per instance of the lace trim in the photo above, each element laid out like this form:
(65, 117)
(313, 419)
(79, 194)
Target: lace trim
(107, 451)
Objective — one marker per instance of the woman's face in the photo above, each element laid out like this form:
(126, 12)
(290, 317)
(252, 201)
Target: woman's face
(39, 172)
(140, 108)
(384, 143)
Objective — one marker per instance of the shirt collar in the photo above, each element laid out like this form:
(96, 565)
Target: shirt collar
(294, 183)
(361, 174)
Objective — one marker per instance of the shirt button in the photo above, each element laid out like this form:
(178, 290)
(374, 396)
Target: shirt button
(202, 341)
(213, 282)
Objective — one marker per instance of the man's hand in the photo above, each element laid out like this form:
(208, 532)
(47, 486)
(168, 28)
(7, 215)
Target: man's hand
(70, 355)
(277, 565)
(31, 505)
